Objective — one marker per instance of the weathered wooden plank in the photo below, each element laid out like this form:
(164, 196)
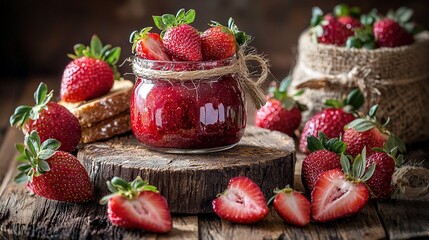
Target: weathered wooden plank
(191, 182)
(24, 216)
(405, 219)
(365, 225)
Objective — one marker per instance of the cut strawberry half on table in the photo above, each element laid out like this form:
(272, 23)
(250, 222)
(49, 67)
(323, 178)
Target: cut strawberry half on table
(292, 206)
(148, 45)
(137, 205)
(241, 202)
(341, 193)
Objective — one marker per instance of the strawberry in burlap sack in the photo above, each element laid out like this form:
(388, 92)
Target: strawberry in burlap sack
(395, 78)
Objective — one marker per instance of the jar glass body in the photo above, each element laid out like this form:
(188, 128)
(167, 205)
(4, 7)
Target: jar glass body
(187, 116)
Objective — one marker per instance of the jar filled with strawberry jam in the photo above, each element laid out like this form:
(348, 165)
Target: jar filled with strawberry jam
(174, 110)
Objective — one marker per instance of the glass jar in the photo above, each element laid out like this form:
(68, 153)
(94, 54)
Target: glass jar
(187, 116)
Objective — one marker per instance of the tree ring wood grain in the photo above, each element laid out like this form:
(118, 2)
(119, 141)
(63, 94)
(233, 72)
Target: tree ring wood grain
(191, 182)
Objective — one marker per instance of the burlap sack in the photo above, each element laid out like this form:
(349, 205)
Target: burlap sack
(395, 78)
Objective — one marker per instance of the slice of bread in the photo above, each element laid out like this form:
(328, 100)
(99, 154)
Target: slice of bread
(98, 109)
(107, 128)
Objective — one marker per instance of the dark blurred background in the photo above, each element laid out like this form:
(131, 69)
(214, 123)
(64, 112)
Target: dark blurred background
(37, 35)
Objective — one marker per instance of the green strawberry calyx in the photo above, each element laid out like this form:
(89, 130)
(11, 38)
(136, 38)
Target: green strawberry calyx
(136, 36)
(403, 16)
(24, 112)
(323, 142)
(342, 10)
(129, 190)
(34, 156)
(281, 93)
(167, 21)
(241, 37)
(368, 122)
(394, 148)
(354, 169)
(276, 191)
(96, 50)
(351, 103)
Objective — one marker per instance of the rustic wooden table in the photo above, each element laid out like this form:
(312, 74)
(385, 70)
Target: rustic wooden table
(394, 219)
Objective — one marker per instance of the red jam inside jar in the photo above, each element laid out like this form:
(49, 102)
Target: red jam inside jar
(191, 116)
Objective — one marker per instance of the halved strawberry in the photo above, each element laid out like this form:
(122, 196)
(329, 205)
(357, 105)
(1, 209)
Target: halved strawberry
(137, 205)
(148, 45)
(292, 206)
(339, 193)
(241, 202)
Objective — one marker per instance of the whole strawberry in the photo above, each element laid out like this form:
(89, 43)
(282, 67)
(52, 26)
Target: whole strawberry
(365, 132)
(385, 159)
(341, 193)
(396, 29)
(291, 206)
(388, 33)
(242, 202)
(53, 174)
(331, 121)
(324, 155)
(347, 16)
(329, 30)
(137, 205)
(49, 119)
(220, 42)
(181, 40)
(281, 112)
(91, 73)
(148, 45)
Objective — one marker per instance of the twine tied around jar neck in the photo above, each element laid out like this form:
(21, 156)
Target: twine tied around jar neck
(239, 67)
(412, 182)
(358, 76)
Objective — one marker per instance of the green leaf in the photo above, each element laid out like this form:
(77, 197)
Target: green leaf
(78, 50)
(404, 14)
(168, 19)
(24, 167)
(113, 55)
(20, 148)
(44, 166)
(369, 173)
(373, 111)
(30, 143)
(317, 16)
(288, 103)
(159, 23)
(355, 11)
(357, 167)
(299, 93)
(189, 16)
(149, 188)
(370, 45)
(313, 144)
(40, 93)
(355, 99)
(96, 46)
(104, 200)
(285, 83)
(377, 149)
(21, 178)
(51, 144)
(333, 103)
(46, 154)
(180, 15)
(323, 138)
(341, 10)
(111, 187)
(345, 164)
(361, 125)
(120, 184)
(353, 42)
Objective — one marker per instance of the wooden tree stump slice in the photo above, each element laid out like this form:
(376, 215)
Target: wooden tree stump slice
(191, 182)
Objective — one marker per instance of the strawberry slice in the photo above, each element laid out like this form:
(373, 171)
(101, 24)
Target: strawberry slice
(292, 206)
(241, 202)
(339, 193)
(148, 45)
(137, 205)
